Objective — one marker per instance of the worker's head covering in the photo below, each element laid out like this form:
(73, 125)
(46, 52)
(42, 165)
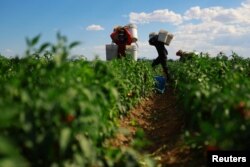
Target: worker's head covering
(152, 34)
(179, 53)
(121, 31)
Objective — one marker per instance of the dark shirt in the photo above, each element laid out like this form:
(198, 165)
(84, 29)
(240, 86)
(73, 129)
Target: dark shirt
(122, 38)
(162, 51)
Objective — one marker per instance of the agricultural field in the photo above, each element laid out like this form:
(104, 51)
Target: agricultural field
(215, 94)
(56, 111)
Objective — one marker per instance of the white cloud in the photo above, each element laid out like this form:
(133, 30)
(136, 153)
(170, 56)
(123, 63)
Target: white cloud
(78, 50)
(94, 27)
(210, 37)
(163, 15)
(211, 30)
(90, 52)
(246, 4)
(220, 14)
(145, 50)
(217, 29)
(100, 51)
(8, 52)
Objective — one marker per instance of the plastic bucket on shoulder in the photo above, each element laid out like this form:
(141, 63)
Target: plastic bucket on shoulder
(169, 39)
(132, 50)
(160, 83)
(133, 31)
(111, 51)
(163, 36)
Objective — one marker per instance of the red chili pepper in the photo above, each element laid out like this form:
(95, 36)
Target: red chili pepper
(240, 107)
(70, 118)
(212, 148)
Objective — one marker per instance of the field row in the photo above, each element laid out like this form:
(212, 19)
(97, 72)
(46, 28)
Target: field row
(59, 112)
(215, 94)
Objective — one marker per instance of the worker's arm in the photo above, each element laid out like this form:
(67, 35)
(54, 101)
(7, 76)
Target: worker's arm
(129, 37)
(114, 37)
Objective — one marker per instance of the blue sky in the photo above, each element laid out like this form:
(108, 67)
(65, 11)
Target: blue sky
(203, 26)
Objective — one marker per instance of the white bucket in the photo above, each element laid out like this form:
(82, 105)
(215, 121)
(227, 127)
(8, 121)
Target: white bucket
(111, 51)
(162, 36)
(152, 34)
(132, 50)
(133, 31)
(169, 38)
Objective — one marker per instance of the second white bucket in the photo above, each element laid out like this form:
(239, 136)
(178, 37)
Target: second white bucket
(133, 30)
(162, 37)
(111, 51)
(132, 50)
(169, 38)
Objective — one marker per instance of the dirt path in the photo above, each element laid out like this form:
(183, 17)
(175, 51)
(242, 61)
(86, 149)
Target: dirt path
(163, 122)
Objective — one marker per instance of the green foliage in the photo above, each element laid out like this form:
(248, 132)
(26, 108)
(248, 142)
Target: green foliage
(58, 112)
(60, 49)
(215, 95)
(135, 80)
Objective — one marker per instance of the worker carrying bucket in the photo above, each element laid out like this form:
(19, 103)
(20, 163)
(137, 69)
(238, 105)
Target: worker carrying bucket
(122, 38)
(159, 40)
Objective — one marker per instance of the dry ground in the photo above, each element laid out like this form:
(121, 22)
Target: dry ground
(162, 121)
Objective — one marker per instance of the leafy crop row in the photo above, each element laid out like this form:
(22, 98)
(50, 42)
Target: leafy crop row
(59, 112)
(215, 93)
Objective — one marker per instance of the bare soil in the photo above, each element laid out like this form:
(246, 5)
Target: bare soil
(162, 120)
